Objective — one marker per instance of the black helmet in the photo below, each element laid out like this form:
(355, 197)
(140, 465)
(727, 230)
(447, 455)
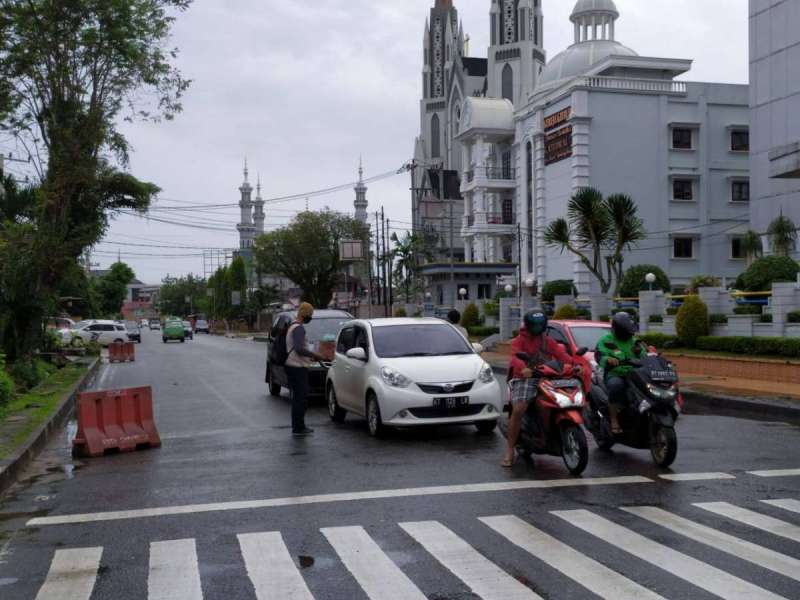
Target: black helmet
(454, 317)
(623, 326)
(535, 322)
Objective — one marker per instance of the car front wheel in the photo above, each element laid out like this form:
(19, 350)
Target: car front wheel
(336, 412)
(374, 421)
(486, 427)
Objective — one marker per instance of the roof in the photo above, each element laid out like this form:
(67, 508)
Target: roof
(405, 321)
(488, 114)
(578, 59)
(593, 6)
(476, 67)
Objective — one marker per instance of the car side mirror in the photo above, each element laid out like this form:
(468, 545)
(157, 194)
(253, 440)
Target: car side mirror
(357, 354)
(478, 348)
(582, 351)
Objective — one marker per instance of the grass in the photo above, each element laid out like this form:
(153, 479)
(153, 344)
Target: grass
(36, 405)
(714, 354)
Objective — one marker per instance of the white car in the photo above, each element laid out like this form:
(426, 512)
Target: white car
(411, 372)
(106, 332)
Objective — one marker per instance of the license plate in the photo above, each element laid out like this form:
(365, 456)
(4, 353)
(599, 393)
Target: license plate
(450, 403)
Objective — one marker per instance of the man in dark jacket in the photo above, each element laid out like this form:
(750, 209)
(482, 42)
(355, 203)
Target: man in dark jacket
(299, 359)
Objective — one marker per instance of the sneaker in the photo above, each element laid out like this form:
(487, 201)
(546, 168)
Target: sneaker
(302, 432)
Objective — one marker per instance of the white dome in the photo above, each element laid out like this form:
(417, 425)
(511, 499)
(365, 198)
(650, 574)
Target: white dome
(577, 59)
(487, 113)
(594, 6)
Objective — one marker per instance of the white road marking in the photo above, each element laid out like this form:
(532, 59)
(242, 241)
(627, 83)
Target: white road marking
(375, 572)
(758, 555)
(776, 473)
(753, 519)
(174, 573)
(271, 569)
(472, 488)
(790, 505)
(72, 575)
(589, 573)
(696, 476)
(483, 577)
(696, 572)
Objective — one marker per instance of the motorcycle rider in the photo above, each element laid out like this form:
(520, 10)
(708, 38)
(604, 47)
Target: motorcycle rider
(615, 348)
(533, 341)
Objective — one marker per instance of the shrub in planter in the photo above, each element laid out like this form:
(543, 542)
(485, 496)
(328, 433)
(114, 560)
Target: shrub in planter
(400, 313)
(656, 319)
(634, 281)
(672, 311)
(747, 309)
(483, 332)
(692, 321)
(471, 317)
(766, 271)
(605, 318)
(752, 346)
(566, 313)
(699, 281)
(584, 313)
(660, 340)
(718, 319)
(765, 319)
(559, 287)
(793, 317)
(491, 309)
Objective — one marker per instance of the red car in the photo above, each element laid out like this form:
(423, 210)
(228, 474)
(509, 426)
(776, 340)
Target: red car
(575, 335)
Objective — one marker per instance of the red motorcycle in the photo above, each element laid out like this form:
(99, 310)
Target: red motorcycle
(553, 423)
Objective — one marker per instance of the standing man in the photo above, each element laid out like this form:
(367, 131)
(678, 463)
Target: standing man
(454, 317)
(299, 359)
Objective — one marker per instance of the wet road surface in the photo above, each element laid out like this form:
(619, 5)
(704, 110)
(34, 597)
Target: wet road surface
(233, 507)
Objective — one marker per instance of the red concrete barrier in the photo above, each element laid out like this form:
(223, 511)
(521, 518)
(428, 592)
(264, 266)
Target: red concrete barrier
(115, 420)
(116, 352)
(129, 351)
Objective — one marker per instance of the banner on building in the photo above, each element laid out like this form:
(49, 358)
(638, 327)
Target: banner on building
(558, 136)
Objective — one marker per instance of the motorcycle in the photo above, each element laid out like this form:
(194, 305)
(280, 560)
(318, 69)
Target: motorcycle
(553, 423)
(647, 418)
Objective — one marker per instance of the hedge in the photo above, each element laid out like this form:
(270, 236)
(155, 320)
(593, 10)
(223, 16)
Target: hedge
(766, 271)
(660, 340)
(491, 309)
(673, 310)
(559, 287)
(753, 346)
(765, 319)
(483, 332)
(656, 319)
(793, 317)
(718, 319)
(747, 309)
(634, 280)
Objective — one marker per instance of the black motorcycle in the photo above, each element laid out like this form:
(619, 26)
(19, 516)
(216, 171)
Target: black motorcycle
(647, 418)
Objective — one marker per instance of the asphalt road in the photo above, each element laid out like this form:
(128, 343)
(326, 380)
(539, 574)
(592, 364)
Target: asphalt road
(231, 506)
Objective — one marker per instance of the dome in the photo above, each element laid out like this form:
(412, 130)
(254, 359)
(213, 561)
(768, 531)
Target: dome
(487, 113)
(594, 6)
(578, 59)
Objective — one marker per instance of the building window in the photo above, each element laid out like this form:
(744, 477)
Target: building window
(740, 191)
(484, 291)
(506, 159)
(435, 137)
(508, 83)
(682, 138)
(682, 189)
(740, 141)
(737, 253)
(508, 211)
(683, 247)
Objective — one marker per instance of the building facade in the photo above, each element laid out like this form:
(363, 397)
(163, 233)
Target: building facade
(599, 115)
(775, 105)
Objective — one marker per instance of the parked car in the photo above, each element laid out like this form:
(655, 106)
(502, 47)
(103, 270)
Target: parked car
(104, 332)
(155, 324)
(173, 330)
(201, 326)
(62, 327)
(188, 331)
(323, 329)
(134, 331)
(411, 372)
(144, 323)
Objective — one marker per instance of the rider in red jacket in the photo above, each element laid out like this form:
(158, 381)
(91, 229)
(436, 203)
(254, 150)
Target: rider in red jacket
(533, 341)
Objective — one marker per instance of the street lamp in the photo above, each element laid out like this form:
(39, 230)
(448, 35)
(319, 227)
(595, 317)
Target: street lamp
(462, 292)
(531, 285)
(650, 278)
(509, 288)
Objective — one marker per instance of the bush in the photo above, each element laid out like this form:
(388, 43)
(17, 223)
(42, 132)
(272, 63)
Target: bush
(765, 271)
(699, 281)
(656, 319)
(634, 280)
(718, 319)
(793, 317)
(747, 309)
(765, 319)
(27, 373)
(660, 340)
(566, 313)
(631, 311)
(471, 317)
(400, 312)
(692, 321)
(753, 346)
(491, 309)
(605, 318)
(673, 310)
(6, 384)
(559, 287)
(483, 332)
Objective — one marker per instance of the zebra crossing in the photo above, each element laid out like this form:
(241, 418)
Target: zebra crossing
(174, 571)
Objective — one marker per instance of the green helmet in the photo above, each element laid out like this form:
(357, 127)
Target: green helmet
(535, 322)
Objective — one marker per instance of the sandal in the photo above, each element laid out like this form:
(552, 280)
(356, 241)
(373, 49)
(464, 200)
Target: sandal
(616, 431)
(507, 463)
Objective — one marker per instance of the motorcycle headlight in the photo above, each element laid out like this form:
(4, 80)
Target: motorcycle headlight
(395, 379)
(487, 374)
(565, 401)
(662, 393)
(580, 399)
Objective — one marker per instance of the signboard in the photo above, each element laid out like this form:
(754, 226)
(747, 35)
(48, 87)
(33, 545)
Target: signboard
(558, 145)
(556, 120)
(236, 298)
(351, 250)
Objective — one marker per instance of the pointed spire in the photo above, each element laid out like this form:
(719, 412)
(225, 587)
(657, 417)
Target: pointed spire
(258, 187)
(360, 169)
(245, 169)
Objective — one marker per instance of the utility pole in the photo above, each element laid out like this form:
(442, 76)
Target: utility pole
(450, 241)
(386, 281)
(391, 265)
(377, 259)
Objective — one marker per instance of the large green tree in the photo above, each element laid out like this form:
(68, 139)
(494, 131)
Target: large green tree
(172, 296)
(307, 252)
(782, 234)
(70, 73)
(111, 289)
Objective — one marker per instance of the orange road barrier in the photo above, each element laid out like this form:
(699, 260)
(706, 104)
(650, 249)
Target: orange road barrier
(129, 351)
(116, 420)
(121, 352)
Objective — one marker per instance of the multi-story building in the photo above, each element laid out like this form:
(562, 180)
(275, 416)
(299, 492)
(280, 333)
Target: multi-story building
(775, 105)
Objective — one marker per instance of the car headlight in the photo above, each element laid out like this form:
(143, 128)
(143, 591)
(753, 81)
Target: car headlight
(394, 379)
(487, 373)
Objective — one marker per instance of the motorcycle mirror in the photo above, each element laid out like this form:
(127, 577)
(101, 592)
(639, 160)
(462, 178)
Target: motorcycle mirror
(523, 356)
(582, 351)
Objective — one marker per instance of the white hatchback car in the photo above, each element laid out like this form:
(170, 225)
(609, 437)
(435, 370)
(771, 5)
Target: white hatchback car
(411, 372)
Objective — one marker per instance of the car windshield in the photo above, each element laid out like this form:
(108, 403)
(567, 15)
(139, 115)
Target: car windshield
(397, 341)
(324, 329)
(587, 337)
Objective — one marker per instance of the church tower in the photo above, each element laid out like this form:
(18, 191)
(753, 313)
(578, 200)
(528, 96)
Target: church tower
(258, 213)
(516, 54)
(245, 227)
(361, 203)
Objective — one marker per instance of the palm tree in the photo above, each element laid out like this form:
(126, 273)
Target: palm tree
(782, 234)
(595, 225)
(752, 246)
(407, 255)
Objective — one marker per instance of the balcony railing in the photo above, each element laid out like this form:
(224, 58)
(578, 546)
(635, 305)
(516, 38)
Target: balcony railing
(636, 85)
(506, 173)
(500, 219)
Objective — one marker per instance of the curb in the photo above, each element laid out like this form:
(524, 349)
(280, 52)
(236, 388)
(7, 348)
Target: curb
(22, 457)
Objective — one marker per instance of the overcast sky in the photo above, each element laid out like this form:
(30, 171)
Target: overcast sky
(303, 88)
